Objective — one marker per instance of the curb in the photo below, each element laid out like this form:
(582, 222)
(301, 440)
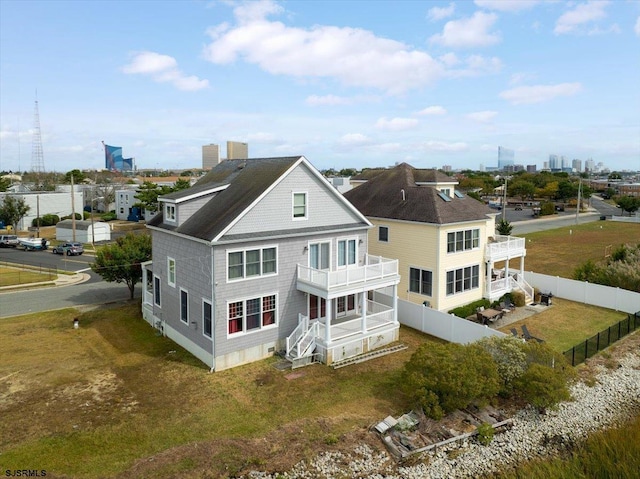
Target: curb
(62, 280)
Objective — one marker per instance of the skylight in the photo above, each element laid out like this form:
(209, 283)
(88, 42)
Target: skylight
(443, 196)
(458, 194)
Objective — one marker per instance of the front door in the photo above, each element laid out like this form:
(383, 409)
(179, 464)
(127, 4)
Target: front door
(345, 305)
(317, 307)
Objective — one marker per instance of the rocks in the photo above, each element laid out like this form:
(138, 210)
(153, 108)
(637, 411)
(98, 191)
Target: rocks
(614, 398)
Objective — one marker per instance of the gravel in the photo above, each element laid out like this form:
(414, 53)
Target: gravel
(611, 400)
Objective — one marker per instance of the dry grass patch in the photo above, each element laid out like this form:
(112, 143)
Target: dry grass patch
(559, 251)
(114, 399)
(14, 276)
(565, 323)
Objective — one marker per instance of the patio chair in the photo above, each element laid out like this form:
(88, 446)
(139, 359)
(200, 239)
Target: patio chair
(504, 307)
(514, 332)
(527, 335)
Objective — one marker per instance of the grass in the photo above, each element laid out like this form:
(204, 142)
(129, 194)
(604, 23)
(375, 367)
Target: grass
(15, 276)
(559, 251)
(91, 402)
(566, 323)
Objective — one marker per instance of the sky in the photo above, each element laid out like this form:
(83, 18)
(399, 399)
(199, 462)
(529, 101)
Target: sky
(347, 84)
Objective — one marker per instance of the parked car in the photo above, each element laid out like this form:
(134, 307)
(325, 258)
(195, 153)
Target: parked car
(518, 207)
(9, 241)
(69, 249)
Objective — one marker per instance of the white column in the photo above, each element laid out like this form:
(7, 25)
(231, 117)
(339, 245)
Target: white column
(363, 311)
(522, 266)
(489, 277)
(395, 303)
(327, 326)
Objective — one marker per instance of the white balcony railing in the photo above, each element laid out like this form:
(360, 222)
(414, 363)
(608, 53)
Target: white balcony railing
(375, 267)
(505, 246)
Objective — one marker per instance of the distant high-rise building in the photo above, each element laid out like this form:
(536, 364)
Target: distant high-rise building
(237, 150)
(446, 167)
(210, 156)
(545, 165)
(566, 164)
(554, 163)
(506, 157)
(590, 165)
(531, 168)
(577, 165)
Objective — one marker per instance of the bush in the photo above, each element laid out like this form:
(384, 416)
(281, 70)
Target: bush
(109, 216)
(77, 215)
(441, 378)
(518, 298)
(547, 208)
(46, 220)
(470, 309)
(485, 433)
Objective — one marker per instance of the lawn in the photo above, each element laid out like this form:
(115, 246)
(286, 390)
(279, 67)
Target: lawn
(14, 276)
(101, 400)
(559, 251)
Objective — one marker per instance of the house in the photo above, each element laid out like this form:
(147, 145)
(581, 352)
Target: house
(445, 241)
(42, 203)
(263, 256)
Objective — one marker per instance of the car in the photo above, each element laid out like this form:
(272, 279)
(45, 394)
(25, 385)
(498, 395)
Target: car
(9, 241)
(518, 207)
(69, 249)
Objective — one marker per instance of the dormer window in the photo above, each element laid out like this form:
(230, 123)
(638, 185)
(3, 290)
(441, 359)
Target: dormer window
(170, 212)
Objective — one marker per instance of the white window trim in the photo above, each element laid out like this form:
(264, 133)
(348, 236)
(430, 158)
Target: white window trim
(182, 290)
(206, 301)
(167, 208)
(388, 234)
(346, 239)
(463, 250)
(244, 299)
(169, 282)
(157, 281)
(306, 205)
(244, 263)
(319, 242)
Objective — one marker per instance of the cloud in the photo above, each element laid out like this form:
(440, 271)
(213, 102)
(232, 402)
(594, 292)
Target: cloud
(438, 13)
(539, 93)
(470, 32)
(163, 69)
(354, 139)
(433, 110)
(637, 27)
(506, 5)
(482, 116)
(315, 100)
(262, 137)
(352, 56)
(396, 124)
(571, 21)
(444, 146)
(475, 65)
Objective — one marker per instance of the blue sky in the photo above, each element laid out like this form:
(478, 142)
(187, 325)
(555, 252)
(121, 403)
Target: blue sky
(346, 84)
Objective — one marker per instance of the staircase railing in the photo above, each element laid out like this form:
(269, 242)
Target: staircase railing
(303, 338)
(524, 286)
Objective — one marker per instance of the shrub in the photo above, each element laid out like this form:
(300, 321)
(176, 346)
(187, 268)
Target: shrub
(547, 208)
(517, 297)
(109, 216)
(46, 220)
(470, 309)
(485, 433)
(77, 215)
(441, 378)
(509, 357)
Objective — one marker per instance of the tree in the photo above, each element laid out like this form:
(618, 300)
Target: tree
(504, 227)
(181, 184)
(120, 262)
(509, 356)
(147, 195)
(630, 204)
(522, 188)
(13, 210)
(5, 183)
(78, 176)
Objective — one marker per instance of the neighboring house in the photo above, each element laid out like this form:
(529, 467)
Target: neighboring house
(46, 203)
(125, 201)
(263, 256)
(445, 241)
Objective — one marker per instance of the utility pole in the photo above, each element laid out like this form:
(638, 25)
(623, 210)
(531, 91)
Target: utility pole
(504, 200)
(73, 211)
(579, 199)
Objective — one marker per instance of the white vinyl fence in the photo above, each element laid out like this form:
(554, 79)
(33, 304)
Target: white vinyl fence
(441, 325)
(587, 293)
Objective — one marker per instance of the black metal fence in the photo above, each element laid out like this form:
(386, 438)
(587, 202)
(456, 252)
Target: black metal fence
(579, 353)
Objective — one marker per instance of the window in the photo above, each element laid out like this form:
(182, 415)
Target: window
(346, 252)
(463, 240)
(317, 307)
(184, 306)
(420, 281)
(319, 255)
(170, 212)
(463, 279)
(171, 271)
(299, 205)
(156, 290)
(251, 263)
(251, 314)
(206, 319)
(383, 234)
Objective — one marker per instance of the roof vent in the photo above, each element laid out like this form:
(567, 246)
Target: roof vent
(242, 164)
(402, 193)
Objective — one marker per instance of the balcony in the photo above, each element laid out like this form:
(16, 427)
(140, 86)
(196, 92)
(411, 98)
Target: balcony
(377, 272)
(504, 247)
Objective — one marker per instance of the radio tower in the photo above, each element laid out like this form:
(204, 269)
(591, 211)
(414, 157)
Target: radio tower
(37, 156)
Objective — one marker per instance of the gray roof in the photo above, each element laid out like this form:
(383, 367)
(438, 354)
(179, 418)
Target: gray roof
(382, 197)
(247, 180)
(420, 175)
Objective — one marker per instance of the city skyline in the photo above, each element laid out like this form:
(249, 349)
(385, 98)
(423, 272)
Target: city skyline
(428, 83)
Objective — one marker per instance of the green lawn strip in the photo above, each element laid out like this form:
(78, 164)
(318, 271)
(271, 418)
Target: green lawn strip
(15, 276)
(558, 252)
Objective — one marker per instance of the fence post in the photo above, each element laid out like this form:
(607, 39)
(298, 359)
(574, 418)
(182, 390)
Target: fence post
(598, 343)
(586, 349)
(573, 356)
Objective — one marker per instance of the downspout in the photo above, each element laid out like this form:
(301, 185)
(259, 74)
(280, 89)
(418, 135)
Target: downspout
(213, 316)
